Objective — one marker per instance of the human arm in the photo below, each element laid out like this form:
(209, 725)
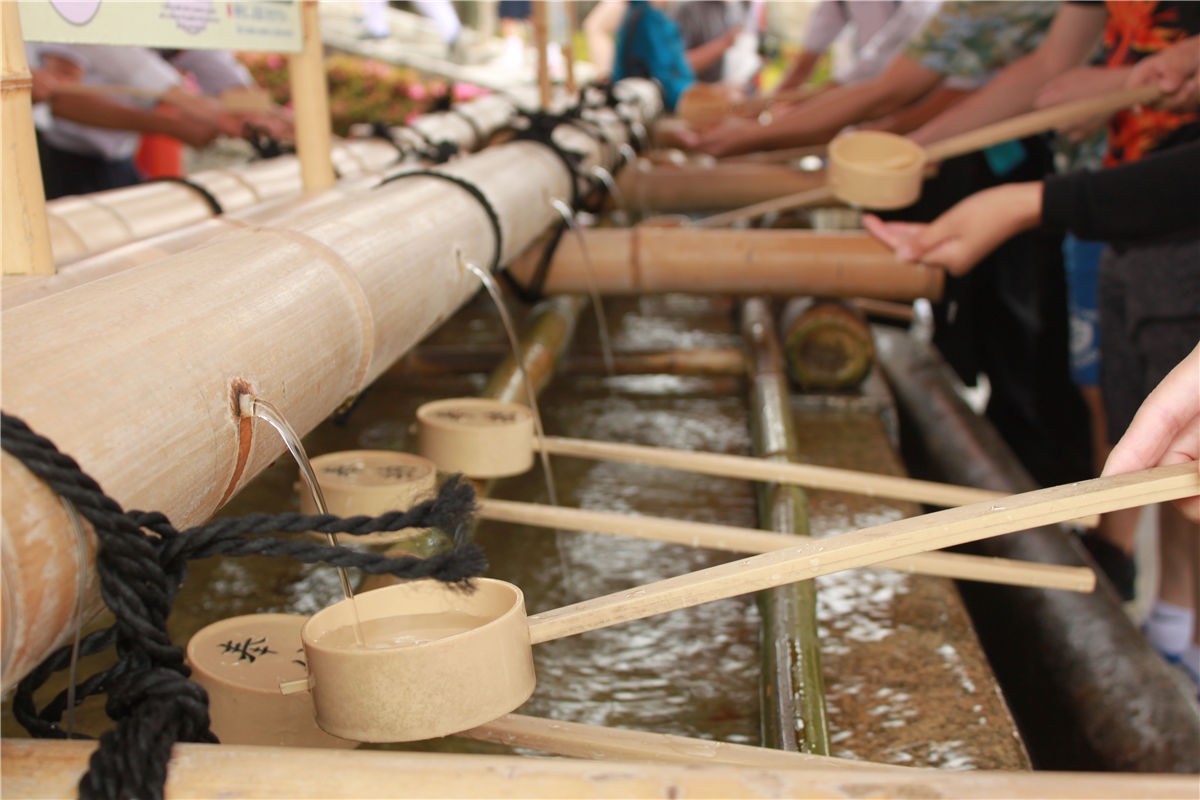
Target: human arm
(827, 20)
(817, 120)
(1073, 34)
(1176, 70)
(100, 112)
(1166, 429)
(914, 116)
(704, 56)
(960, 238)
(600, 28)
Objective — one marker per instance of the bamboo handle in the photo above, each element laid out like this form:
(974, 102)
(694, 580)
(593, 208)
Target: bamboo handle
(810, 197)
(778, 156)
(871, 545)
(599, 742)
(750, 540)
(1040, 120)
(758, 469)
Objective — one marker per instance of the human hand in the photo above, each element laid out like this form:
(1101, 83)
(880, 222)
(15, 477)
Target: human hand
(1175, 71)
(277, 125)
(725, 139)
(44, 84)
(189, 130)
(1166, 429)
(960, 238)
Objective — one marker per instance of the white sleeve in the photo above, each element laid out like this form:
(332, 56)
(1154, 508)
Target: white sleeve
(128, 66)
(214, 70)
(826, 22)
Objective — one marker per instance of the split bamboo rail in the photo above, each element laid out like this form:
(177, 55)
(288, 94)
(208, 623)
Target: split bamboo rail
(48, 768)
(650, 258)
(139, 376)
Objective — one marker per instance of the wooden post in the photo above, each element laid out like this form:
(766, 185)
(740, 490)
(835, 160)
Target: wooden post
(661, 259)
(310, 97)
(540, 40)
(26, 246)
(569, 47)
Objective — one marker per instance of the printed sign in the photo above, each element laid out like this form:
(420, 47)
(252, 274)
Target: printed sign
(266, 25)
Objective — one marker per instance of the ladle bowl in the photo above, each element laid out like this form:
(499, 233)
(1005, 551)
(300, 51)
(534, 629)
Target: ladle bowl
(875, 169)
(478, 437)
(434, 660)
(371, 482)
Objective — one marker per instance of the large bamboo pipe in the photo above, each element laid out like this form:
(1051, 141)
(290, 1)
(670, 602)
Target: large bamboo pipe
(138, 376)
(666, 188)
(648, 259)
(85, 225)
(266, 193)
(26, 236)
(51, 768)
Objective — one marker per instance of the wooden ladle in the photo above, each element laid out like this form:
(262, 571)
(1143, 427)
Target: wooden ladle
(475, 662)
(878, 170)
(488, 439)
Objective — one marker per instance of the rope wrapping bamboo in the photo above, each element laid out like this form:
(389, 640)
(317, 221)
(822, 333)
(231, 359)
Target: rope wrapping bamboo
(471, 189)
(149, 694)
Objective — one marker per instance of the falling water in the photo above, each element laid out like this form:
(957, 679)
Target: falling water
(493, 289)
(605, 177)
(269, 414)
(602, 326)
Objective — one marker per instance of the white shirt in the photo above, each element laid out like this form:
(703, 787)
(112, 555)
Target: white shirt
(879, 28)
(126, 66)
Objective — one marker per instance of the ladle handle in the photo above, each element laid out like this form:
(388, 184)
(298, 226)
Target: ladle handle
(759, 469)
(871, 545)
(750, 540)
(811, 197)
(1038, 121)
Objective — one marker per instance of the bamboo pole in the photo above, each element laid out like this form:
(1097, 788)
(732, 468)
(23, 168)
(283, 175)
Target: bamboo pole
(138, 376)
(596, 742)
(722, 361)
(310, 99)
(749, 540)
(52, 768)
(794, 717)
(537, 20)
(26, 235)
(542, 347)
(671, 189)
(569, 47)
(649, 259)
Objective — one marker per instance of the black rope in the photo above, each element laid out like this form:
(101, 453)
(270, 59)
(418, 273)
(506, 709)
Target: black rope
(209, 197)
(539, 127)
(438, 152)
(265, 145)
(381, 130)
(473, 190)
(150, 697)
(535, 289)
(476, 131)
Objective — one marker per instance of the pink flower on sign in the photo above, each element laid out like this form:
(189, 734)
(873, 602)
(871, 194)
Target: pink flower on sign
(76, 12)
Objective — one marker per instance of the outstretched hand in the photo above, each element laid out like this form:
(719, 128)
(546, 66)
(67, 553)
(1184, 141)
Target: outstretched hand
(1174, 70)
(960, 238)
(1166, 429)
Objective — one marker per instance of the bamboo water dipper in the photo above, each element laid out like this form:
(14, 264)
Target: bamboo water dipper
(486, 439)
(415, 685)
(881, 170)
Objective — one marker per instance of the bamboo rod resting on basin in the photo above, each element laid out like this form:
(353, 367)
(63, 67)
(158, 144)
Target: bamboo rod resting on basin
(649, 259)
(52, 768)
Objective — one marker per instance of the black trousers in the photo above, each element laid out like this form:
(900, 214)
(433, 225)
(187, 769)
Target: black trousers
(66, 173)
(1007, 318)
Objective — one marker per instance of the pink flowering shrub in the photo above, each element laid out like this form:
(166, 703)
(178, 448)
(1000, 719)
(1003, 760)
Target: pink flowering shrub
(360, 89)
